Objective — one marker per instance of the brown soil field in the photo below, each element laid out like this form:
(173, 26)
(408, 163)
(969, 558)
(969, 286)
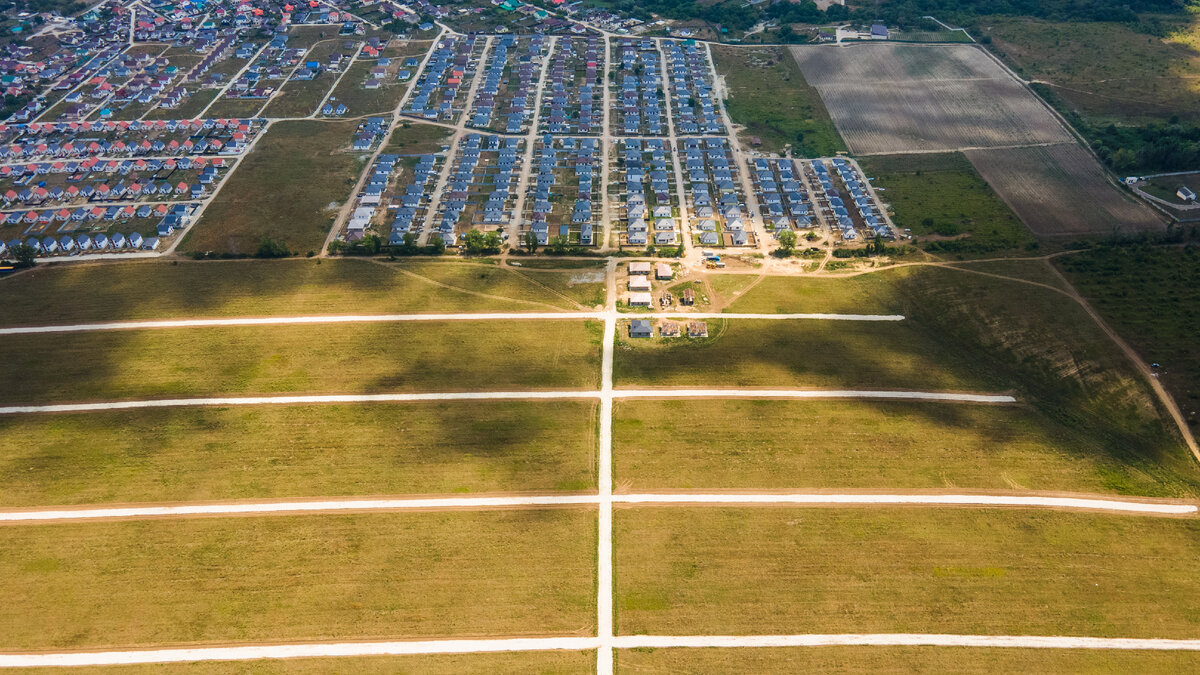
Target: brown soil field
(1061, 190)
(896, 98)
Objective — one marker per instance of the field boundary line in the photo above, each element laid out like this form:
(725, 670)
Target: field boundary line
(386, 318)
(482, 646)
(419, 503)
(310, 399)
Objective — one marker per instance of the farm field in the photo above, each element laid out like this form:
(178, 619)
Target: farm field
(297, 451)
(941, 195)
(1061, 191)
(1107, 71)
(767, 95)
(895, 98)
(1033, 341)
(782, 354)
(283, 191)
(313, 359)
(705, 444)
(316, 577)
(902, 660)
(1151, 296)
(543, 663)
(228, 288)
(689, 571)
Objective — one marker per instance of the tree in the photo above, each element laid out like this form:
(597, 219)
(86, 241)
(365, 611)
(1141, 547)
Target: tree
(269, 248)
(473, 242)
(531, 242)
(25, 255)
(787, 240)
(410, 240)
(492, 242)
(559, 244)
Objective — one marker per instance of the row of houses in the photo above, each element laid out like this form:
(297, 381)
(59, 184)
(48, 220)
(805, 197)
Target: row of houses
(172, 216)
(41, 196)
(711, 182)
(450, 65)
(640, 110)
(643, 328)
(573, 96)
(497, 95)
(484, 165)
(412, 201)
(649, 184)
(581, 158)
(692, 103)
(782, 197)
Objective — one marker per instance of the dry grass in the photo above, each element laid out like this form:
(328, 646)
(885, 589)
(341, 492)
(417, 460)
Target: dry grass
(903, 660)
(895, 98)
(689, 571)
(289, 452)
(331, 358)
(361, 577)
(1061, 190)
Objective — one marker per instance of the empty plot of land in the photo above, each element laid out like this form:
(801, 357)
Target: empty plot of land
(981, 661)
(885, 570)
(271, 452)
(703, 444)
(895, 98)
(325, 358)
(1061, 190)
(117, 585)
(545, 663)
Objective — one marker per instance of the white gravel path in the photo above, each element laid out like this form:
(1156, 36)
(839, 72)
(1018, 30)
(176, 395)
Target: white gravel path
(605, 501)
(388, 318)
(346, 649)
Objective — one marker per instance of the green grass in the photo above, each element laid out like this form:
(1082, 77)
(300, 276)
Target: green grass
(362, 101)
(942, 195)
(1037, 271)
(539, 663)
(769, 97)
(736, 444)
(1151, 297)
(289, 452)
(283, 190)
(903, 660)
(762, 353)
(695, 571)
(332, 358)
(414, 138)
(863, 294)
(1002, 334)
(299, 98)
(157, 290)
(283, 579)
(1107, 71)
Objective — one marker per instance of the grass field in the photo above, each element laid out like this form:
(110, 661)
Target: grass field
(414, 138)
(442, 574)
(1016, 336)
(903, 660)
(1062, 191)
(346, 358)
(283, 190)
(299, 98)
(1151, 296)
(760, 353)
(739, 444)
(46, 294)
(1037, 271)
(943, 195)
(274, 452)
(689, 571)
(769, 97)
(1107, 71)
(895, 98)
(538, 663)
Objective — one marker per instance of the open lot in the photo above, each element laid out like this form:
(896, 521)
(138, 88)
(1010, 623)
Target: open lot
(307, 578)
(895, 98)
(283, 191)
(738, 444)
(902, 660)
(275, 452)
(761, 353)
(1107, 71)
(1151, 296)
(46, 295)
(882, 570)
(1017, 336)
(942, 199)
(767, 95)
(414, 138)
(1061, 190)
(329, 358)
(300, 98)
(542, 663)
